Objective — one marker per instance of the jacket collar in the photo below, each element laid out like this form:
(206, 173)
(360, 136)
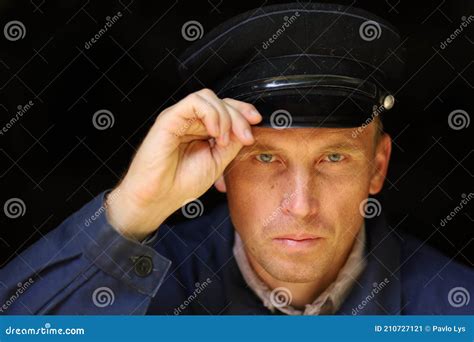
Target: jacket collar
(378, 290)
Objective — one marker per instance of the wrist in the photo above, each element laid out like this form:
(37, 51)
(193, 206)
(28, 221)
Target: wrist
(130, 219)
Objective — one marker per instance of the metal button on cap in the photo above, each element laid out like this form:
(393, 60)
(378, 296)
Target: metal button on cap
(388, 102)
(143, 266)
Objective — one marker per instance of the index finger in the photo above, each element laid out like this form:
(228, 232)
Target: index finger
(248, 110)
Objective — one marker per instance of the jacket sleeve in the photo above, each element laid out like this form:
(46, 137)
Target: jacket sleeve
(84, 266)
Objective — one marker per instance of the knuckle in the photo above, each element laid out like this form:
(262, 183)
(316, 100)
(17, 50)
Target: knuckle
(193, 97)
(223, 109)
(206, 91)
(211, 110)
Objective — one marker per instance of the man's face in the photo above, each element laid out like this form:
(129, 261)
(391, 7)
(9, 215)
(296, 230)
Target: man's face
(294, 197)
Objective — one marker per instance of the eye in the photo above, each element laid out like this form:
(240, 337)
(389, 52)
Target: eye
(265, 157)
(334, 157)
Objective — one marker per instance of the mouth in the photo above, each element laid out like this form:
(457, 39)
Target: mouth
(297, 242)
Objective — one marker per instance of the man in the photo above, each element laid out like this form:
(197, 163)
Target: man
(292, 133)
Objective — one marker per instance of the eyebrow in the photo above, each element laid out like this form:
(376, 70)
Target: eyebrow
(344, 146)
(338, 146)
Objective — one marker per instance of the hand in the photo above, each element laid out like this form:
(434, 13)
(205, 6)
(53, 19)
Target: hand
(184, 153)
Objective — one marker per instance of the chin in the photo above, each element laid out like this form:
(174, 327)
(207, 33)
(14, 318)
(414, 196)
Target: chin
(294, 269)
(296, 276)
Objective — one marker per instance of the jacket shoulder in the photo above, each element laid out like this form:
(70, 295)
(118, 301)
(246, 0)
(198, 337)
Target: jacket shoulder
(433, 283)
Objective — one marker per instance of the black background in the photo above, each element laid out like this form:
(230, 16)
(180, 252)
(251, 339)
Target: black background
(55, 160)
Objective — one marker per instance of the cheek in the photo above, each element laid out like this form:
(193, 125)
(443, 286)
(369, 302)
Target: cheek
(252, 197)
(340, 195)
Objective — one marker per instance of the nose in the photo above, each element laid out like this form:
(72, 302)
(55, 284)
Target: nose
(300, 200)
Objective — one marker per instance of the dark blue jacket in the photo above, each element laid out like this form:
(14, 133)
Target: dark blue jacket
(85, 267)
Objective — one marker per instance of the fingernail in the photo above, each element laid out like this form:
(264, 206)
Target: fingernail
(254, 113)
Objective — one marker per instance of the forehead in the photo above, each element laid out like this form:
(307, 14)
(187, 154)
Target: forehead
(294, 139)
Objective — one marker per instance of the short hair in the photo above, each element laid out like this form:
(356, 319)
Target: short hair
(379, 132)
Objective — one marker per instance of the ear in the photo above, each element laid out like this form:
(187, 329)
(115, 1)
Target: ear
(220, 184)
(381, 160)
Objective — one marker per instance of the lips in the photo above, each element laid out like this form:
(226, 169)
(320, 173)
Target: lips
(297, 241)
(298, 237)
